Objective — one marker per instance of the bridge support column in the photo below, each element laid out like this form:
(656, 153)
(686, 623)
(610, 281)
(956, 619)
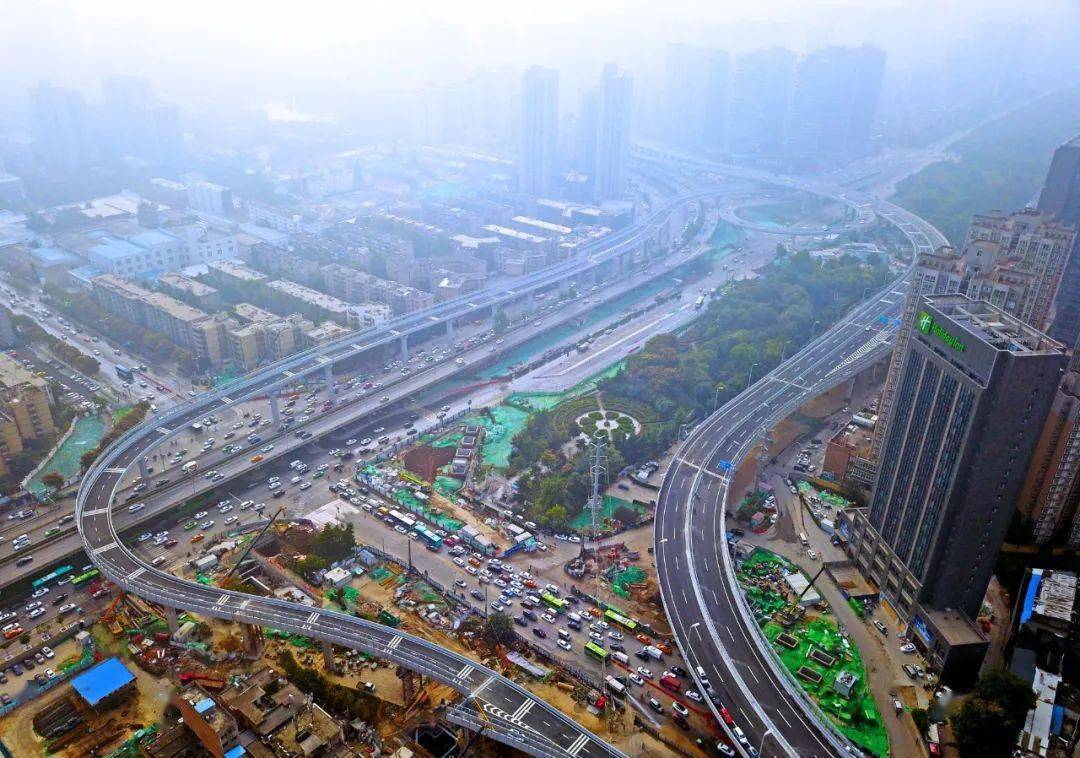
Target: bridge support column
(170, 619)
(450, 329)
(144, 468)
(328, 656)
(254, 641)
(275, 414)
(404, 346)
(328, 377)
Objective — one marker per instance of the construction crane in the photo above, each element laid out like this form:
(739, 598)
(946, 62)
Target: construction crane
(258, 537)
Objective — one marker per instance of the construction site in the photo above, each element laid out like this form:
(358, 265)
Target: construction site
(807, 639)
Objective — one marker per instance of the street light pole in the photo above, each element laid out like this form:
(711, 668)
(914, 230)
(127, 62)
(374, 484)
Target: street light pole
(750, 374)
(764, 737)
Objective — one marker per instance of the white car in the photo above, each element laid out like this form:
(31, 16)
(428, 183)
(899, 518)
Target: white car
(231, 519)
(459, 562)
(679, 708)
(564, 644)
(645, 672)
(637, 680)
(694, 695)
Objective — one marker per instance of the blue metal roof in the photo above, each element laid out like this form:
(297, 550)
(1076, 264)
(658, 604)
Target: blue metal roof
(102, 680)
(51, 255)
(151, 238)
(235, 752)
(114, 249)
(204, 705)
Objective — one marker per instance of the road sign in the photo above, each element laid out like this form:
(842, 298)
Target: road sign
(725, 466)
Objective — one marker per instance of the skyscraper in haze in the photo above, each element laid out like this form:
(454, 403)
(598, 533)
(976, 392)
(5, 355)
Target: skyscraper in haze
(537, 166)
(1061, 196)
(760, 94)
(696, 97)
(60, 126)
(834, 104)
(586, 131)
(613, 132)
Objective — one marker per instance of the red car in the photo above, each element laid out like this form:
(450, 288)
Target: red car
(726, 716)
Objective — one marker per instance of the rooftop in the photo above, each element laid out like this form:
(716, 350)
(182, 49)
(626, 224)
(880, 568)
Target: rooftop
(546, 226)
(1057, 595)
(102, 680)
(308, 295)
(505, 231)
(253, 313)
(12, 373)
(991, 325)
(184, 284)
(238, 270)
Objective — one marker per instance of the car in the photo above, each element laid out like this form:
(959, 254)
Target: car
(496, 606)
(400, 529)
(209, 523)
(725, 749)
(66, 608)
(679, 671)
(40, 592)
(232, 519)
(200, 514)
(471, 570)
(5, 699)
(305, 486)
(907, 647)
(459, 562)
(615, 635)
(190, 525)
(549, 617)
(881, 628)
(694, 695)
(460, 583)
(136, 507)
(643, 639)
(266, 448)
(655, 705)
(617, 646)
(597, 638)
(539, 632)
(37, 612)
(812, 555)
(637, 680)
(476, 594)
(33, 605)
(679, 708)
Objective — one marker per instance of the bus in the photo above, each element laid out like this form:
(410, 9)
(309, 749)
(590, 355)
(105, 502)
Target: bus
(125, 373)
(552, 602)
(433, 540)
(41, 581)
(619, 620)
(82, 579)
(595, 651)
(403, 519)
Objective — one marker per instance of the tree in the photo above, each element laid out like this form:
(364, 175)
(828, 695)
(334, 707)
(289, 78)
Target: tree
(989, 721)
(53, 480)
(499, 629)
(309, 565)
(501, 322)
(86, 460)
(921, 717)
(625, 514)
(147, 214)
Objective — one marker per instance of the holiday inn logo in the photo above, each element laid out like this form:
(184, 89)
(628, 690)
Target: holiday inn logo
(927, 325)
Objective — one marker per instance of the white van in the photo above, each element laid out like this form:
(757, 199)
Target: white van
(701, 676)
(159, 560)
(615, 686)
(802, 539)
(622, 658)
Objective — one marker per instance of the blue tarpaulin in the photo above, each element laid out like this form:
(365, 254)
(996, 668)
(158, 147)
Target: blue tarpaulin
(102, 680)
(1030, 596)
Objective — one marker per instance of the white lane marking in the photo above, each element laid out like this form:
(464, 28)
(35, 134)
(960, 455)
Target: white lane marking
(103, 548)
(95, 512)
(164, 430)
(476, 692)
(577, 745)
(115, 470)
(522, 710)
(137, 573)
(393, 643)
(466, 670)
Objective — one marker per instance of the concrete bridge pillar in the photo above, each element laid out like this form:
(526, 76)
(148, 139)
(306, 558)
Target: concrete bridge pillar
(254, 641)
(328, 378)
(404, 346)
(170, 619)
(450, 329)
(275, 413)
(328, 656)
(144, 468)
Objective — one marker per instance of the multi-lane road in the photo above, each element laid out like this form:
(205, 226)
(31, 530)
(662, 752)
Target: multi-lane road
(710, 619)
(511, 713)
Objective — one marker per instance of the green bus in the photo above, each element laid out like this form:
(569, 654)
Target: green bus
(82, 579)
(556, 604)
(595, 651)
(54, 575)
(620, 620)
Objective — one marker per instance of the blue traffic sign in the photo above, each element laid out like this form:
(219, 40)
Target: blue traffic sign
(725, 465)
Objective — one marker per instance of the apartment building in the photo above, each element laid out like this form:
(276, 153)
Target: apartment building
(266, 339)
(318, 306)
(183, 324)
(24, 409)
(191, 291)
(359, 287)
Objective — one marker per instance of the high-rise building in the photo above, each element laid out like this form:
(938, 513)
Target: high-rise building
(537, 165)
(1016, 260)
(210, 198)
(975, 387)
(696, 97)
(613, 132)
(833, 105)
(60, 126)
(1052, 490)
(760, 98)
(1061, 196)
(586, 131)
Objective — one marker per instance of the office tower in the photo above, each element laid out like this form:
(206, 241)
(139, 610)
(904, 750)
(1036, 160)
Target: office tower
(975, 387)
(59, 126)
(760, 95)
(833, 105)
(613, 132)
(1052, 489)
(587, 130)
(696, 98)
(1061, 196)
(537, 167)
(208, 197)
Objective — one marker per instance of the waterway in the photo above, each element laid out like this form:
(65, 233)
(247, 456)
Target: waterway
(86, 435)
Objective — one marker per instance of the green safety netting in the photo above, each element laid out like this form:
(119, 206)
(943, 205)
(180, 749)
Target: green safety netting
(293, 639)
(379, 573)
(448, 486)
(583, 520)
(621, 580)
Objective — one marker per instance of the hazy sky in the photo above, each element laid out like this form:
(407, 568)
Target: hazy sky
(320, 52)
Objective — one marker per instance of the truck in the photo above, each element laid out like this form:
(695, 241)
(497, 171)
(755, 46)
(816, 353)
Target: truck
(190, 467)
(670, 682)
(615, 686)
(699, 302)
(653, 652)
